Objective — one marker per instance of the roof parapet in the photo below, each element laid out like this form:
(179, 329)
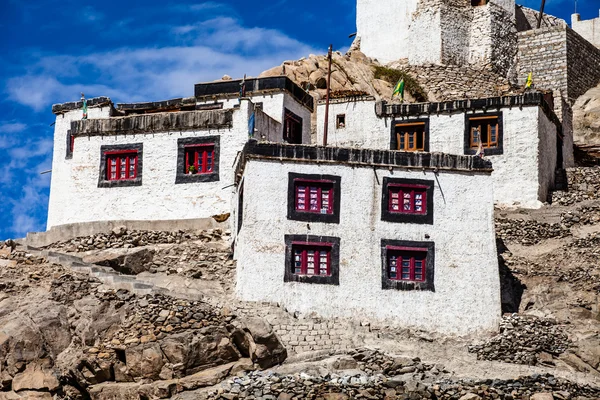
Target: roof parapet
(254, 86)
(157, 122)
(360, 157)
(62, 108)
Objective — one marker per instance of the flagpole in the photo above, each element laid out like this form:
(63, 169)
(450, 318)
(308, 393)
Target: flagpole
(329, 55)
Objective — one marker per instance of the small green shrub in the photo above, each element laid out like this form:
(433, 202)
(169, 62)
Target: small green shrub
(410, 84)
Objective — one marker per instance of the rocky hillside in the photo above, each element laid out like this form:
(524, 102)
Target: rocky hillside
(148, 315)
(586, 122)
(355, 74)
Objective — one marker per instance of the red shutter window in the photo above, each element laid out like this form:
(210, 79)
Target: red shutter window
(312, 259)
(407, 199)
(314, 196)
(121, 165)
(199, 159)
(406, 264)
(71, 142)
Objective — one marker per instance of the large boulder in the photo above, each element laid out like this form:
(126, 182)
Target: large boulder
(145, 360)
(37, 376)
(127, 261)
(263, 345)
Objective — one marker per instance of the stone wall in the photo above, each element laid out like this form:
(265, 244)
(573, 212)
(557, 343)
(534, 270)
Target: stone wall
(544, 53)
(560, 59)
(583, 62)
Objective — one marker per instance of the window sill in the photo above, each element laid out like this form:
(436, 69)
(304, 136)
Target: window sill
(196, 178)
(121, 183)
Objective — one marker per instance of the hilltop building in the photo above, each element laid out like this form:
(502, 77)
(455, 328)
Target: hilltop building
(365, 226)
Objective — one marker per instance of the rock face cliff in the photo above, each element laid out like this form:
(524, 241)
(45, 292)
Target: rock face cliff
(586, 122)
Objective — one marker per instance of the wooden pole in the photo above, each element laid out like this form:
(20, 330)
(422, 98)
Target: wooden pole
(541, 14)
(330, 56)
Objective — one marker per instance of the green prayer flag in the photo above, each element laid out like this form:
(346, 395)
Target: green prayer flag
(399, 89)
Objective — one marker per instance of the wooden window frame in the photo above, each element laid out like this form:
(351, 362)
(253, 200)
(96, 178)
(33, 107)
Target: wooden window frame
(117, 156)
(424, 186)
(478, 3)
(319, 186)
(490, 147)
(410, 250)
(303, 248)
(206, 151)
(332, 212)
(202, 144)
(413, 190)
(338, 122)
(109, 152)
(293, 125)
(397, 138)
(329, 244)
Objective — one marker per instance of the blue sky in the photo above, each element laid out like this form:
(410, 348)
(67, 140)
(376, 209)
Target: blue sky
(141, 51)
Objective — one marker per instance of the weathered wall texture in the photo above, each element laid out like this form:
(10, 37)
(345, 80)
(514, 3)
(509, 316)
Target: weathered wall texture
(517, 177)
(467, 292)
(61, 183)
(588, 29)
(449, 32)
(76, 197)
(382, 26)
(274, 106)
(583, 63)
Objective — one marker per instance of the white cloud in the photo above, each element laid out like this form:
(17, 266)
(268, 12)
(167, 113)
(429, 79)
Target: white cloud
(212, 48)
(11, 127)
(23, 224)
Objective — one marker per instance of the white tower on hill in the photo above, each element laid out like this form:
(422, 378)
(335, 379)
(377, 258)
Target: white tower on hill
(458, 32)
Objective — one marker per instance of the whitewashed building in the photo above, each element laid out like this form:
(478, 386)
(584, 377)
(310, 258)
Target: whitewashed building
(520, 134)
(403, 237)
(170, 160)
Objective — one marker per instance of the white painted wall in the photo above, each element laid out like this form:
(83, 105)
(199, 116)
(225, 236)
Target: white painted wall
(467, 289)
(383, 28)
(273, 106)
(61, 183)
(76, 197)
(425, 38)
(517, 177)
(588, 29)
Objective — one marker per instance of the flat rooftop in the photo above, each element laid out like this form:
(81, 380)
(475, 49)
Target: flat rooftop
(355, 157)
(254, 86)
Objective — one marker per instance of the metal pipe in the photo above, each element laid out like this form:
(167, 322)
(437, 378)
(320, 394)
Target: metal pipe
(330, 56)
(541, 14)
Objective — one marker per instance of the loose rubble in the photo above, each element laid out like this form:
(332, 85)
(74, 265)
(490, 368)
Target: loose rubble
(584, 184)
(522, 340)
(528, 232)
(355, 385)
(122, 238)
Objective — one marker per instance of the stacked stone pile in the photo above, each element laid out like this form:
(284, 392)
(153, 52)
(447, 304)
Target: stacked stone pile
(586, 215)
(122, 238)
(584, 184)
(196, 261)
(355, 385)
(452, 82)
(528, 232)
(524, 340)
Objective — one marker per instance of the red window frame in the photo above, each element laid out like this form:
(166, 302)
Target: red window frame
(304, 190)
(118, 157)
(321, 261)
(406, 263)
(71, 143)
(398, 193)
(203, 158)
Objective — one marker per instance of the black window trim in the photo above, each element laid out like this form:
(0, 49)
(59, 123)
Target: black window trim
(333, 279)
(388, 216)
(427, 285)
(394, 140)
(104, 183)
(182, 177)
(295, 215)
(495, 151)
